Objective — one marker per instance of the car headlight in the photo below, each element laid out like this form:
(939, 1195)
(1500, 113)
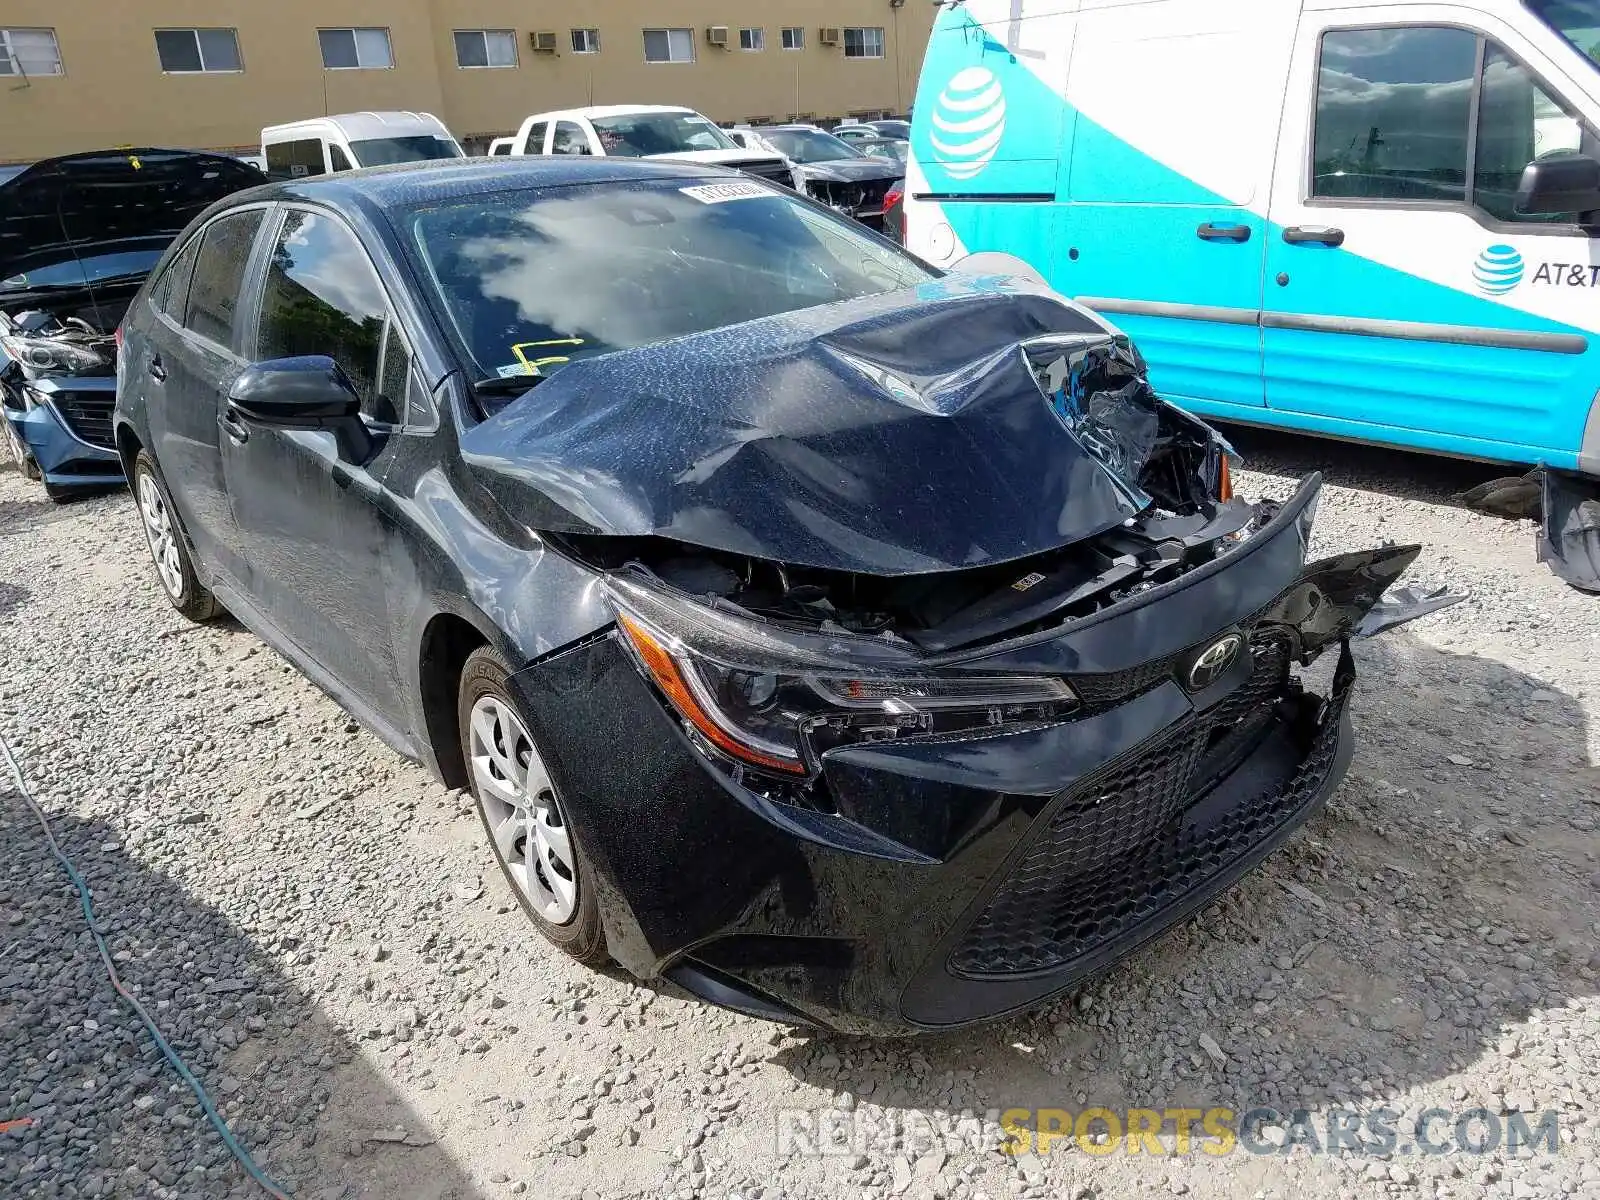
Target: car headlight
(52, 354)
(776, 703)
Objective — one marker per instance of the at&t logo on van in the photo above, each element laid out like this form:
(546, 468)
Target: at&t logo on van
(1498, 270)
(969, 119)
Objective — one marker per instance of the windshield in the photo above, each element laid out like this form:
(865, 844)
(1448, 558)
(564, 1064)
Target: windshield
(378, 152)
(1576, 20)
(90, 269)
(635, 135)
(531, 281)
(809, 146)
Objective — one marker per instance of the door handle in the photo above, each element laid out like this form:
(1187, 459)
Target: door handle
(1223, 233)
(1316, 235)
(157, 371)
(238, 432)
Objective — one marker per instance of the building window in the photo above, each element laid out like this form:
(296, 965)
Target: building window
(863, 41)
(186, 51)
(752, 39)
(29, 52)
(668, 45)
(486, 48)
(586, 41)
(348, 49)
(794, 37)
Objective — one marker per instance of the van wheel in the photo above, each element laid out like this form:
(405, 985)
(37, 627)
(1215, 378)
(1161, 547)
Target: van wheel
(168, 544)
(522, 814)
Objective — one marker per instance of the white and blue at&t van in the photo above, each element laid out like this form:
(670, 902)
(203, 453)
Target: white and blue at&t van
(1373, 220)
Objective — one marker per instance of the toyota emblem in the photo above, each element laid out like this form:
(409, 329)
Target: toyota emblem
(1214, 660)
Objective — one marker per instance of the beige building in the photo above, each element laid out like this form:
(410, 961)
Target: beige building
(210, 73)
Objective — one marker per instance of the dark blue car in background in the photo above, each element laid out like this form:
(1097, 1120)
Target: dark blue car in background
(78, 236)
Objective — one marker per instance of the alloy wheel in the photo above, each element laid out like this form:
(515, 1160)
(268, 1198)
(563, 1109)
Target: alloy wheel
(522, 812)
(161, 535)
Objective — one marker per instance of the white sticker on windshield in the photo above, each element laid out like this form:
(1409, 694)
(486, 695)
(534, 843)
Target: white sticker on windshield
(506, 372)
(721, 193)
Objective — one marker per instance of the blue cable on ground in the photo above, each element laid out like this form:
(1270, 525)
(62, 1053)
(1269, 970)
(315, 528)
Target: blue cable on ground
(271, 1186)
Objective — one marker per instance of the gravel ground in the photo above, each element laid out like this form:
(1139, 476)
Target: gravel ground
(319, 930)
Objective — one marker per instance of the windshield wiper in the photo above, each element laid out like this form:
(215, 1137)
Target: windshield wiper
(13, 286)
(507, 385)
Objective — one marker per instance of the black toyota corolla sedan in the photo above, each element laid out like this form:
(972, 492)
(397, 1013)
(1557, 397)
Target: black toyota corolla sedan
(847, 642)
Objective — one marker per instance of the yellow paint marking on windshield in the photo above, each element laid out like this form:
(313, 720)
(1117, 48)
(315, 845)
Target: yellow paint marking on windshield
(532, 365)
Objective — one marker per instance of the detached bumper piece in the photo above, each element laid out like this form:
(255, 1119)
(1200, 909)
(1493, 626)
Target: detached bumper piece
(1123, 856)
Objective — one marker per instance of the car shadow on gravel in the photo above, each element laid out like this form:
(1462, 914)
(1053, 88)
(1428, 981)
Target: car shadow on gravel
(94, 1110)
(20, 516)
(1450, 891)
(1402, 474)
(12, 597)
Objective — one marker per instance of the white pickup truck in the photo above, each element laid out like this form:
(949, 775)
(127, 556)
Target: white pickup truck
(645, 131)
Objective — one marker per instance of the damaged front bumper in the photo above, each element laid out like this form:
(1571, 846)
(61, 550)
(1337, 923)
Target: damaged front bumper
(929, 881)
(65, 426)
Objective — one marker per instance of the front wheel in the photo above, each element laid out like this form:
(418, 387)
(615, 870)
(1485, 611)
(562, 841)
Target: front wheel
(169, 547)
(528, 829)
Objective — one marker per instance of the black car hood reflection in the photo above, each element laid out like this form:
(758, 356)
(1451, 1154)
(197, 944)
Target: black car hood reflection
(107, 200)
(962, 422)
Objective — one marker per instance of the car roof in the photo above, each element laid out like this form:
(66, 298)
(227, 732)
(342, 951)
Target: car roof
(614, 110)
(444, 179)
(370, 124)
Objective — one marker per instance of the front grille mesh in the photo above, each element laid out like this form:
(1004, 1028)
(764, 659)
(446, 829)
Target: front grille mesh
(88, 416)
(1118, 851)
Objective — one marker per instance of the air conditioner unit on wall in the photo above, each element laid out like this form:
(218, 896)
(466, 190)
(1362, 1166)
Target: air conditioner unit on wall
(829, 35)
(543, 42)
(717, 35)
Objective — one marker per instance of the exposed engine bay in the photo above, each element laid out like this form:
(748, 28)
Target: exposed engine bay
(72, 338)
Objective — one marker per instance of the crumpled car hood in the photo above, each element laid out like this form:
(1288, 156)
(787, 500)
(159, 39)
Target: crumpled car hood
(962, 422)
(853, 170)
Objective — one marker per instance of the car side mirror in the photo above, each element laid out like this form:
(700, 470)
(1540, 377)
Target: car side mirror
(1562, 183)
(305, 392)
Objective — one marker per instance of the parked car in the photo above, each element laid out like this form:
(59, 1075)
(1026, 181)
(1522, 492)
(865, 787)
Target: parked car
(78, 235)
(891, 148)
(831, 171)
(849, 642)
(644, 131)
(348, 141)
(863, 130)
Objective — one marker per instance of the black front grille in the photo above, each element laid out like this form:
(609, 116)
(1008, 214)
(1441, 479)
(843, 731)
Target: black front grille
(1097, 691)
(1118, 851)
(853, 197)
(775, 172)
(88, 416)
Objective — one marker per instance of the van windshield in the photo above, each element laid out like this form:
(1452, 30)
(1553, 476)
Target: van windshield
(637, 135)
(1576, 20)
(379, 152)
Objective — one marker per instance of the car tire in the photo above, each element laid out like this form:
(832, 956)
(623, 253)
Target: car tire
(19, 454)
(523, 816)
(168, 544)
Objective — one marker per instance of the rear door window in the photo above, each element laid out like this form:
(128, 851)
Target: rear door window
(171, 291)
(322, 296)
(218, 271)
(570, 139)
(536, 138)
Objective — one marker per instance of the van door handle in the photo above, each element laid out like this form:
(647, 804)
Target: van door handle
(1316, 235)
(157, 371)
(1223, 233)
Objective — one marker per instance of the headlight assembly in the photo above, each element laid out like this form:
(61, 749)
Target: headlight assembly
(779, 717)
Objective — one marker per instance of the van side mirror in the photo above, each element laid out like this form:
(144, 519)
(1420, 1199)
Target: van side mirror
(1562, 183)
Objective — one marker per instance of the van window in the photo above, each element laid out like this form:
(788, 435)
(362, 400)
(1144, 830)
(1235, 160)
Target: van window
(569, 139)
(1518, 121)
(322, 296)
(295, 160)
(339, 159)
(1393, 111)
(218, 271)
(1395, 120)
